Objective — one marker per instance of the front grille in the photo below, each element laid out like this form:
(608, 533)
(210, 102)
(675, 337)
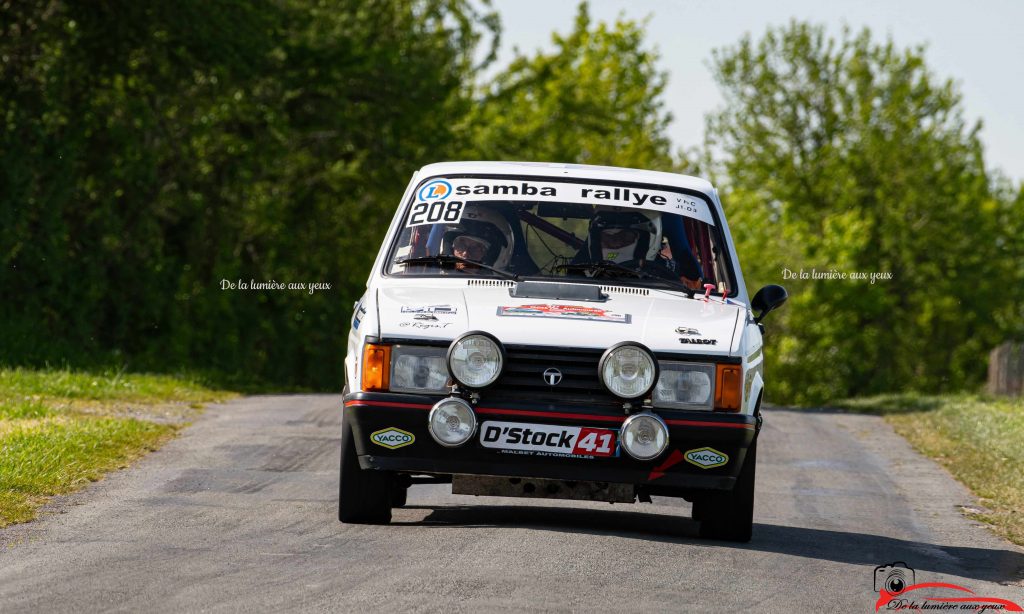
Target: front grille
(523, 376)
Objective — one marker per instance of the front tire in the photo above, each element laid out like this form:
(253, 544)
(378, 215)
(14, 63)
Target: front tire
(399, 495)
(729, 516)
(364, 495)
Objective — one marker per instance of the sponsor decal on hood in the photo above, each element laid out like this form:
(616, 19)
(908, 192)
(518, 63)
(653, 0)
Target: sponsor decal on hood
(567, 312)
(650, 320)
(693, 332)
(431, 309)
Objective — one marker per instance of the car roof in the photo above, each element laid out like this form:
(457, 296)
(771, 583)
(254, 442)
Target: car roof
(575, 171)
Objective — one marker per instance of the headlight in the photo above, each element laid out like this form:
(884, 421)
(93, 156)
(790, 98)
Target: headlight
(644, 436)
(475, 360)
(685, 385)
(418, 369)
(451, 422)
(628, 370)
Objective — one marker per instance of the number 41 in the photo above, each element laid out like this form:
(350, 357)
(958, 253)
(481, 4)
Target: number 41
(589, 442)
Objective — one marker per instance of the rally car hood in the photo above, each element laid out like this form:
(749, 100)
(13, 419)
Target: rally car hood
(663, 321)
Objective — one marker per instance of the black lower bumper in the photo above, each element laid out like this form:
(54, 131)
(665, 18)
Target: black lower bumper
(727, 435)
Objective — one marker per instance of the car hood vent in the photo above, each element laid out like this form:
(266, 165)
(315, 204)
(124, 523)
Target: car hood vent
(625, 290)
(558, 291)
(508, 283)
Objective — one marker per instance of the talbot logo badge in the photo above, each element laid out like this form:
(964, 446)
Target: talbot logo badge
(552, 376)
(682, 330)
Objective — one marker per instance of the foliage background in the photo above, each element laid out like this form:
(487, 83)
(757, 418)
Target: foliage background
(150, 150)
(849, 155)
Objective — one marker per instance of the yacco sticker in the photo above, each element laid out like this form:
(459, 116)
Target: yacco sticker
(565, 312)
(706, 458)
(443, 200)
(392, 438)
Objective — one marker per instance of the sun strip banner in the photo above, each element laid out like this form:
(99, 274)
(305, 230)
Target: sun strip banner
(443, 200)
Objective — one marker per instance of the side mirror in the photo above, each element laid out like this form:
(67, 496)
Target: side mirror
(767, 299)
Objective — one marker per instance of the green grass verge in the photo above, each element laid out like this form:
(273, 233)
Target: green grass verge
(109, 385)
(978, 439)
(61, 429)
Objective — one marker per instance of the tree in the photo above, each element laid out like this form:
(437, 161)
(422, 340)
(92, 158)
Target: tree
(151, 150)
(596, 99)
(847, 155)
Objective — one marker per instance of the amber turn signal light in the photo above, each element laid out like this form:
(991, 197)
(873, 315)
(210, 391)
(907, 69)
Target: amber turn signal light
(728, 387)
(376, 367)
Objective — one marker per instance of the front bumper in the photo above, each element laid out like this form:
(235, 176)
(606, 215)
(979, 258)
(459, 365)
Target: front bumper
(670, 473)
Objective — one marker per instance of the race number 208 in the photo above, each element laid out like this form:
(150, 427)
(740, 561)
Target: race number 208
(437, 211)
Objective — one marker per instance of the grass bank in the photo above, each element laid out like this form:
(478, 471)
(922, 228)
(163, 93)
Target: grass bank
(61, 429)
(978, 439)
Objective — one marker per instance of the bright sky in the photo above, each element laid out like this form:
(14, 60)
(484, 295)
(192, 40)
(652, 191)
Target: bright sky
(979, 45)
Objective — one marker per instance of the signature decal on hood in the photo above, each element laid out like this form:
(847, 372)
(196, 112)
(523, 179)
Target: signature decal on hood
(565, 312)
(424, 325)
(443, 310)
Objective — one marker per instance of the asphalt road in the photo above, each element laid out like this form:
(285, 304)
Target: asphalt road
(238, 515)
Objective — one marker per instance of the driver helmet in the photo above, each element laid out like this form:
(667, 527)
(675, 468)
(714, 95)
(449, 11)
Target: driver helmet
(483, 235)
(620, 236)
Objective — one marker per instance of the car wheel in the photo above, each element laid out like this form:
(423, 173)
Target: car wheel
(730, 516)
(364, 495)
(699, 509)
(399, 495)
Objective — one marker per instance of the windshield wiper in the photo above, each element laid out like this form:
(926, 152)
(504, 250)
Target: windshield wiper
(607, 265)
(442, 260)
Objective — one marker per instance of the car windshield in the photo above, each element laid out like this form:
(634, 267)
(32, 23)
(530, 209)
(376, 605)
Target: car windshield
(543, 228)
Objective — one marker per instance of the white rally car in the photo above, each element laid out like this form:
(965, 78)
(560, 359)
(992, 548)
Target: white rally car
(554, 330)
